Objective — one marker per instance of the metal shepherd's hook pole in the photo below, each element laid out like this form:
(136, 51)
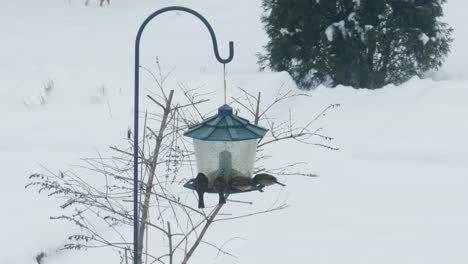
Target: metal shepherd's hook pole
(136, 106)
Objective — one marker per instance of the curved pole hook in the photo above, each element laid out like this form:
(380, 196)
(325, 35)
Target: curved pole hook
(195, 13)
(136, 105)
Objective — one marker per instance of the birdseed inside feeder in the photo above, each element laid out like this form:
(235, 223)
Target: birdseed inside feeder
(225, 146)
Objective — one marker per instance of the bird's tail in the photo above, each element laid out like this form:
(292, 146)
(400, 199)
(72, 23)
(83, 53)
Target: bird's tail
(222, 199)
(284, 185)
(201, 202)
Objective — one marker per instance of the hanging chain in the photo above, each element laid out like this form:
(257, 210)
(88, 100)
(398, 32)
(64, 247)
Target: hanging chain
(225, 84)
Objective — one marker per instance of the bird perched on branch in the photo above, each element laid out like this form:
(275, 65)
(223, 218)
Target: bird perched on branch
(220, 186)
(264, 179)
(242, 184)
(201, 186)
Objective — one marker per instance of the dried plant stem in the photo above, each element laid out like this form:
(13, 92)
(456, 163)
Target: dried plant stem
(203, 232)
(144, 211)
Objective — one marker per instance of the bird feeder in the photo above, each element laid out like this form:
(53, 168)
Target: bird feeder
(225, 146)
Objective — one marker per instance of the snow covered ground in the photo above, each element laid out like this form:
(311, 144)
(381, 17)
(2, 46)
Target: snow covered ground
(394, 193)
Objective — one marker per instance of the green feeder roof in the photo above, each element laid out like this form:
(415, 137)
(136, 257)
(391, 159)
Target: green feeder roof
(225, 126)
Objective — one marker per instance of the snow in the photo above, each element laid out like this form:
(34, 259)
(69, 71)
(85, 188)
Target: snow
(284, 31)
(330, 30)
(424, 38)
(394, 193)
(329, 33)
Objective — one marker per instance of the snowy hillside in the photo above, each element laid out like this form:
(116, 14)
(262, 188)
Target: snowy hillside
(394, 193)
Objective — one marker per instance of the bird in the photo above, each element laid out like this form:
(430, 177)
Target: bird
(242, 184)
(201, 186)
(220, 186)
(264, 179)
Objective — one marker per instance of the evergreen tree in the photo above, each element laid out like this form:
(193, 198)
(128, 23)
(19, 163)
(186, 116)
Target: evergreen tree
(360, 43)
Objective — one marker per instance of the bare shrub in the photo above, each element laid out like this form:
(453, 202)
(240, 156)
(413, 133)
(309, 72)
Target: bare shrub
(102, 193)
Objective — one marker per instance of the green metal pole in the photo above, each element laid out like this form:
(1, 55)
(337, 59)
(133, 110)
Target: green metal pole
(137, 103)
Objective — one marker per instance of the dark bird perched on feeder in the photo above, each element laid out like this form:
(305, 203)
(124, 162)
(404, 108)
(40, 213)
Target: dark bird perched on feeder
(266, 180)
(220, 186)
(242, 184)
(201, 186)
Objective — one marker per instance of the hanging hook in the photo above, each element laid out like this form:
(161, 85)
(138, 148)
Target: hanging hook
(203, 19)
